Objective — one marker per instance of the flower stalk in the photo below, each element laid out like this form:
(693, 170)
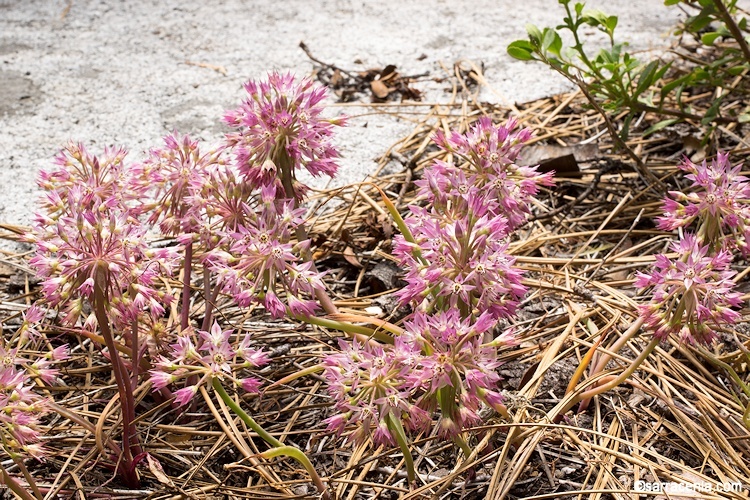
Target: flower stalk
(279, 448)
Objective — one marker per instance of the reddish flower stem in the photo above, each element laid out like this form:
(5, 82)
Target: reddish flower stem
(130, 445)
(185, 305)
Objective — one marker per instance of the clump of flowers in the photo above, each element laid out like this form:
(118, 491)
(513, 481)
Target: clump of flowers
(692, 295)
(280, 130)
(460, 282)
(233, 209)
(458, 253)
(717, 204)
(459, 262)
(96, 267)
(213, 357)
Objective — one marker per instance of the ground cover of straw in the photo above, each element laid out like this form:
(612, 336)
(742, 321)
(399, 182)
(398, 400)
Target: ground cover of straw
(678, 419)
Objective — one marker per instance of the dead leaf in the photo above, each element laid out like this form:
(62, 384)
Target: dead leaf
(388, 73)
(336, 79)
(351, 258)
(380, 89)
(155, 467)
(562, 159)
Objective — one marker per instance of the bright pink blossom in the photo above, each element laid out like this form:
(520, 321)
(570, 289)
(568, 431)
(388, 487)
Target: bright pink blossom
(718, 202)
(215, 357)
(280, 130)
(693, 295)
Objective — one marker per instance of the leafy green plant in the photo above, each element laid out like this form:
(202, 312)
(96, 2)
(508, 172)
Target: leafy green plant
(615, 81)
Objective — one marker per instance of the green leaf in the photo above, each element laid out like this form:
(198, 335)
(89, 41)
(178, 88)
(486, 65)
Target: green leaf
(595, 17)
(660, 74)
(671, 2)
(697, 23)
(669, 87)
(579, 8)
(743, 118)
(712, 112)
(534, 33)
(611, 24)
(522, 50)
(710, 37)
(646, 79)
(658, 126)
(551, 41)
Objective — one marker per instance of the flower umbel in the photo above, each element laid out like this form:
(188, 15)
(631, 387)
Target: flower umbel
(280, 130)
(212, 356)
(719, 204)
(692, 295)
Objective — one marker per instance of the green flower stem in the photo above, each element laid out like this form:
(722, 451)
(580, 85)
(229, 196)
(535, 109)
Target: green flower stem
(394, 424)
(296, 454)
(279, 448)
(268, 438)
(405, 232)
(380, 323)
(461, 443)
(361, 333)
(13, 485)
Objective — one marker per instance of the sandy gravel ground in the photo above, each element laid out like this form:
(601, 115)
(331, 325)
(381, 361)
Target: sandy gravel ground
(128, 72)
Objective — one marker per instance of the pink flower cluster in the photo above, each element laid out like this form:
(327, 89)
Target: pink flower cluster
(487, 166)
(459, 263)
(461, 281)
(280, 130)
(692, 295)
(22, 407)
(90, 238)
(368, 383)
(258, 261)
(178, 180)
(213, 357)
(436, 352)
(718, 204)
